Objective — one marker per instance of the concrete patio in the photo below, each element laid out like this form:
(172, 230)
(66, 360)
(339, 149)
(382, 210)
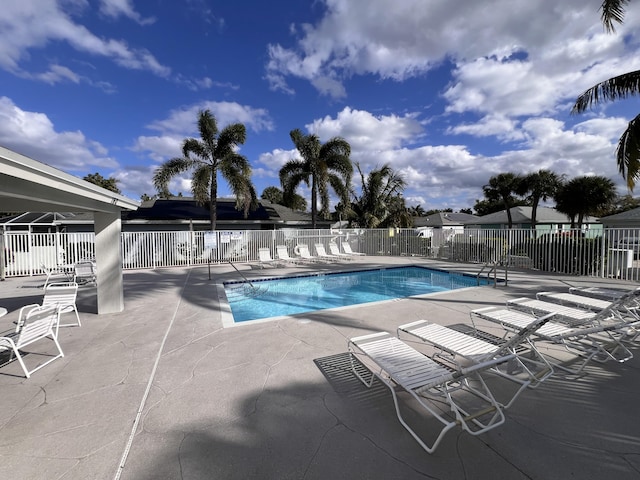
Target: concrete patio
(163, 391)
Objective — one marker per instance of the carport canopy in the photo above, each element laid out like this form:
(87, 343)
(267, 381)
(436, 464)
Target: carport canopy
(29, 185)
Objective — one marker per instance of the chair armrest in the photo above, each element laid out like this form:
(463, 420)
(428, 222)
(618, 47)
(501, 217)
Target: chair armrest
(20, 316)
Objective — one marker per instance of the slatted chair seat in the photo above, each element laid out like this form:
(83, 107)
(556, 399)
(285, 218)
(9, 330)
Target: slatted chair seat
(430, 383)
(39, 323)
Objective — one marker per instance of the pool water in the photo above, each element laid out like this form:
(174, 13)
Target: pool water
(288, 296)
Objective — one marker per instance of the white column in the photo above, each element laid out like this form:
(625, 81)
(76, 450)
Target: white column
(107, 227)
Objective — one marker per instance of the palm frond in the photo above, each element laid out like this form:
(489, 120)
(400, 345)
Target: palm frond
(200, 184)
(208, 127)
(199, 149)
(628, 153)
(165, 172)
(612, 12)
(616, 88)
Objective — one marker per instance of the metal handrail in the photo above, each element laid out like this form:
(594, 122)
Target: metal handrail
(241, 274)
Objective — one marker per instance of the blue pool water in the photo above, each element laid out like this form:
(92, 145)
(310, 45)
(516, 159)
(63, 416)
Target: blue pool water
(289, 296)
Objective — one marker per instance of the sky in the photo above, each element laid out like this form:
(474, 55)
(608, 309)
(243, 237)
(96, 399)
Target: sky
(446, 93)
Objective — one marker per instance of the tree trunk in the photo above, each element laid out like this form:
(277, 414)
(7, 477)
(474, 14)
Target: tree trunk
(213, 201)
(314, 201)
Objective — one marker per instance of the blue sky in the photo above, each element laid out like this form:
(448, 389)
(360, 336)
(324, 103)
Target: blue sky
(447, 93)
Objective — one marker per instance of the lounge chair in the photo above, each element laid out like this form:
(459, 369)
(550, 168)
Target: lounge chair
(38, 324)
(85, 272)
(430, 383)
(610, 294)
(528, 369)
(565, 314)
(600, 342)
(570, 299)
(347, 249)
(265, 260)
(283, 255)
(323, 255)
(302, 251)
(335, 251)
(62, 295)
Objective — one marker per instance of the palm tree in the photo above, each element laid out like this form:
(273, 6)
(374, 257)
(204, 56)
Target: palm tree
(381, 203)
(540, 185)
(214, 152)
(502, 187)
(584, 196)
(322, 165)
(616, 88)
(275, 195)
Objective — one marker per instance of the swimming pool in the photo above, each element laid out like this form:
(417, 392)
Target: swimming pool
(276, 297)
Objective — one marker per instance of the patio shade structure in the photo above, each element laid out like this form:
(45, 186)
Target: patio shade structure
(29, 185)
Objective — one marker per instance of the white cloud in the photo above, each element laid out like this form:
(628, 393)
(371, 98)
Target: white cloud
(34, 135)
(27, 25)
(116, 8)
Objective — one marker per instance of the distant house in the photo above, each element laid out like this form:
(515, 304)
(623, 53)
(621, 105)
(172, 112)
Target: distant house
(175, 214)
(547, 220)
(448, 223)
(628, 219)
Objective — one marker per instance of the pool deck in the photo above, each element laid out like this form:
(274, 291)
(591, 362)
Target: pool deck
(163, 391)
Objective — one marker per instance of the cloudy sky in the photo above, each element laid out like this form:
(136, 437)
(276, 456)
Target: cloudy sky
(447, 93)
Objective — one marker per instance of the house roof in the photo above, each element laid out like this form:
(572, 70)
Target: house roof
(523, 215)
(177, 210)
(630, 216)
(444, 219)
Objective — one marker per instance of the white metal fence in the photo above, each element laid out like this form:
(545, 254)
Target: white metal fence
(601, 253)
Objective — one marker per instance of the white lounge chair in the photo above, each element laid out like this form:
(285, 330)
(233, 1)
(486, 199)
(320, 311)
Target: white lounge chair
(335, 251)
(570, 299)
(347, 249)
(62, 295)
(610, 294)
(85, 272)
(396, 364)
(600, 343)
(565, 314)
(303, 252)
(265, 259)
(38, 324)
(283, 255)
(528, 369)
(323, 255)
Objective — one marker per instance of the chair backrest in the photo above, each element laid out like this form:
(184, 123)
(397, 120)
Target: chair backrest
(264, 254)
(282, 252)
(39, 322)
(85, 271)
(333, 248)
(303, 250)
(524, 333)
(320, 250)
(60, 294)
(347, 248)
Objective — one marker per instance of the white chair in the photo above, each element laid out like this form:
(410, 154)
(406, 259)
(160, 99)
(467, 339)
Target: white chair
(601, 343)
(38, 324)
(430, 383)
(570, 299)
(264, 257)
(62, 295)
(323, 255)
(283, 255)
(335, 251)
(302, 251)
(85, 272)
(347, 249)
(528, 369)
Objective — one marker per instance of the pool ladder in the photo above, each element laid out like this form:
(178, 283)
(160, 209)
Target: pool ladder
(493, 268)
